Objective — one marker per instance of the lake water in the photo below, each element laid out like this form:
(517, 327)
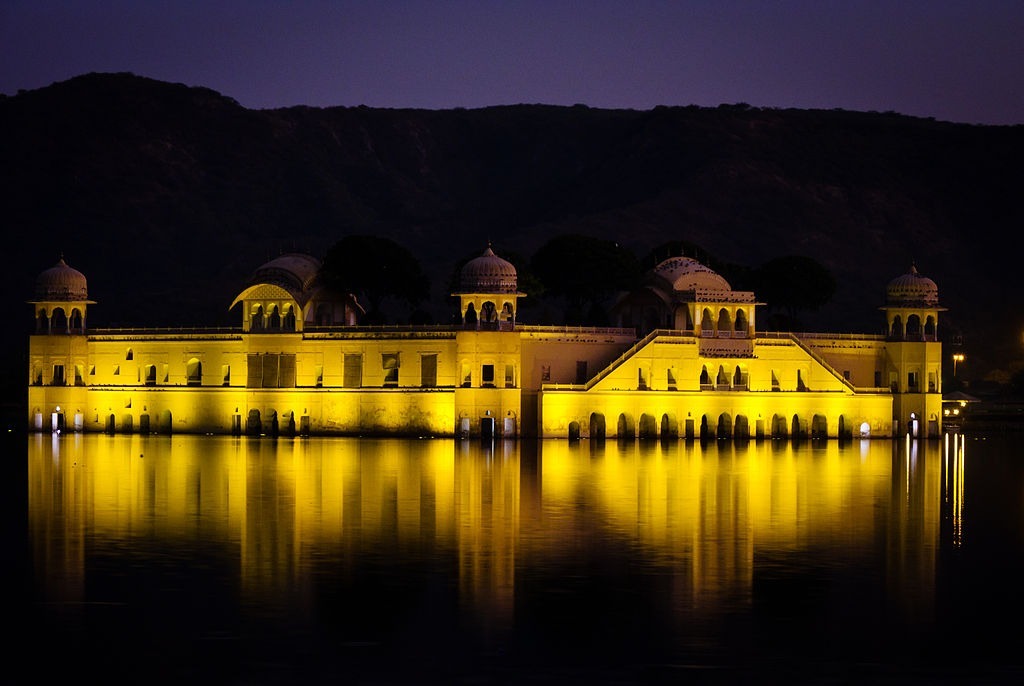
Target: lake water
(155, 559)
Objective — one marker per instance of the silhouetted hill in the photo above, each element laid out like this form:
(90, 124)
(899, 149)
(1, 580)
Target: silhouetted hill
(167, 197)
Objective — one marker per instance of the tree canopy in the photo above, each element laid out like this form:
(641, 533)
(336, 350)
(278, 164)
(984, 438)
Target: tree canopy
(375, 268)
(792, 284)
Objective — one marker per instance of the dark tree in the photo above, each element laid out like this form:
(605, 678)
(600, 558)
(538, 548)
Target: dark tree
(375, 268)
(585, 271)
(793, 284)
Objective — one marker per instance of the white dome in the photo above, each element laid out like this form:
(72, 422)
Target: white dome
(295, 272)
(61, 282)
(687, 274)
(488, 274)
(912, 289)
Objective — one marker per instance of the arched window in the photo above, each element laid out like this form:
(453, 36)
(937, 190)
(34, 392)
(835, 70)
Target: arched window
(194, 372)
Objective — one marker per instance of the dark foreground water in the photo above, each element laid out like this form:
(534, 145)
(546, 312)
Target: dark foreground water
(154, 559)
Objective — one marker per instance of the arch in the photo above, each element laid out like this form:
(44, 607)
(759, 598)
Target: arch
(288, 319)
(864, 431)
(469, 318)
(253, 425)
(741, 429)
(722, 378)
(930, 327)
(648, 427)
(798, 429)
(598, 430)
(488, 313)
(707, 321)
(272, 422)
(507, 313)
(724, 428)
(741, 325)
(144, 427)
(626, 429)
(705, 429)
(149, 374)
(705, 378)
(273, 318)
(780, 428)
(42, 322)
(724, 320)
(58, 321)
(164, 421)
(669, 427)
(574, 431)
(845, 430)
(256, 318)
(739, 377)
(913, 328)
(76, 323)
(914, 426)
(111, 423)
(896, 330)
(819, 426)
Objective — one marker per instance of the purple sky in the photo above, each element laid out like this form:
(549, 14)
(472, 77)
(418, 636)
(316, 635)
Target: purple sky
(959, 61)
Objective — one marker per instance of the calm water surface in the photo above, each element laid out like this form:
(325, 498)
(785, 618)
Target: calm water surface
(248, 561)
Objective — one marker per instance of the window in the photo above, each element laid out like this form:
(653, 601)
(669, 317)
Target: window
(428, 370)
(510, 376)
(225, 372)
(912, 382)
(272, 370)
(670, 378)
(58, 375)
(487, 375)
(117, 370)
(878, 378)
(581, 371)
(545, 372)
(467, 376)
(79, 381)
(319, 375)
(194, 372)
(150, 379)
(641, 379)
(353, 371)
(846, 374)
(390, 363)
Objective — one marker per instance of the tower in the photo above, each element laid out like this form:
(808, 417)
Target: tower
(914, 354)
(58, 351)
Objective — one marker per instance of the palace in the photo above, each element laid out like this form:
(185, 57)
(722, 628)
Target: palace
(685, 362)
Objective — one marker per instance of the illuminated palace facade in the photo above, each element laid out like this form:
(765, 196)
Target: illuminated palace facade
(685, 362)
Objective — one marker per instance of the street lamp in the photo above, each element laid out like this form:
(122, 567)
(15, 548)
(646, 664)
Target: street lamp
(957, 357)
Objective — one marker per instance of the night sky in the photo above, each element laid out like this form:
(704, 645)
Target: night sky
(955, 60)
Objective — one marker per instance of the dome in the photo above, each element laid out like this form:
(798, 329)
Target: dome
(61, 282)
(295, 272)
(488, 274)
(912, 289)
(687, 274)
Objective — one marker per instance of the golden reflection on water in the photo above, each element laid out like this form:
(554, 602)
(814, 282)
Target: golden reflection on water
(708, 517)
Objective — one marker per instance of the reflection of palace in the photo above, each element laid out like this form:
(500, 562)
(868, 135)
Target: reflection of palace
(300, 364)
(282, 513)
